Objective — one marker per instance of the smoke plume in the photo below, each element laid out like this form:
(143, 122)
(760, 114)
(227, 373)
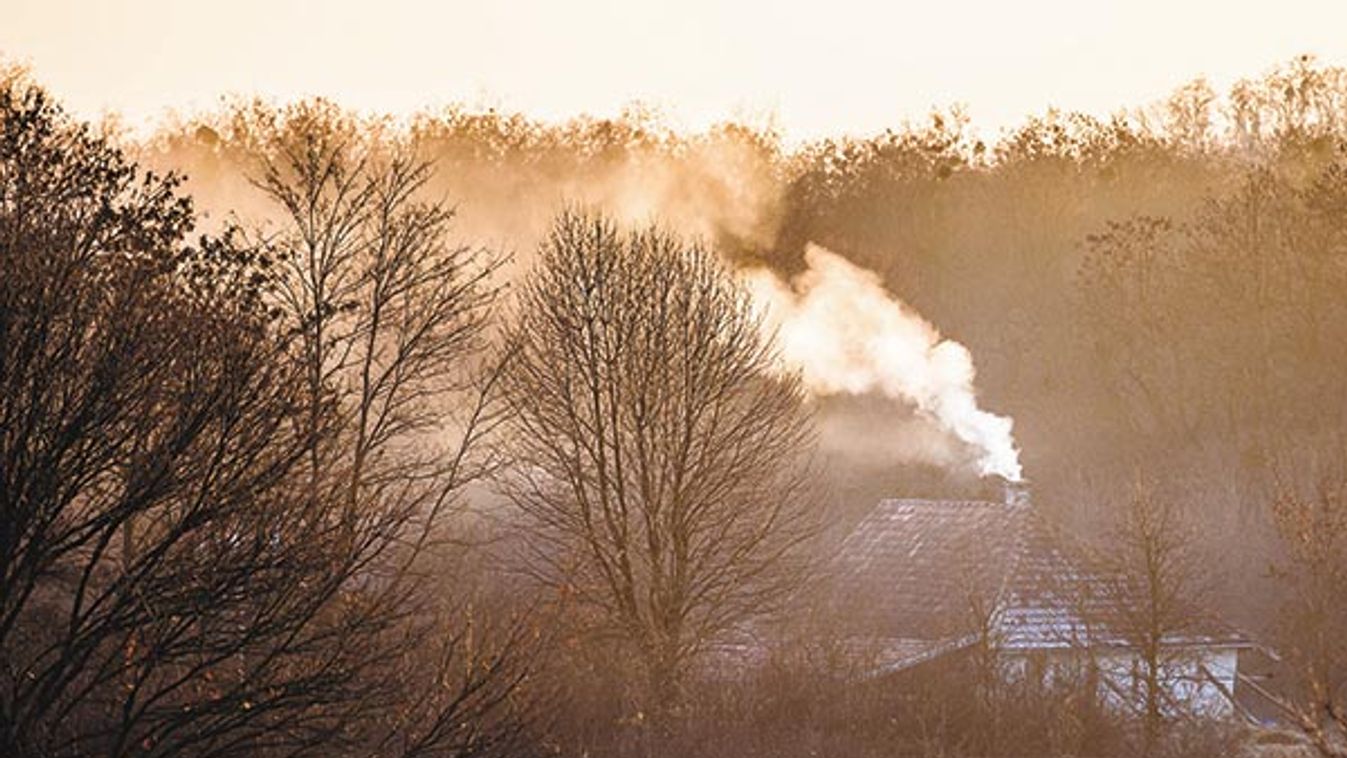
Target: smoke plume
(846, 334)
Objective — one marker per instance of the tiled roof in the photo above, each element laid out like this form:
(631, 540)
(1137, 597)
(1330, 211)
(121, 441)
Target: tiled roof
(929, 569)
(940, 570)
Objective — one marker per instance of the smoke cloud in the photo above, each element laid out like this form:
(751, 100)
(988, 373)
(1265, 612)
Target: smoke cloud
(846, 334)
(836, 322)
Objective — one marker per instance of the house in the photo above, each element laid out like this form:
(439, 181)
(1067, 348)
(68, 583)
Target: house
(923, 580)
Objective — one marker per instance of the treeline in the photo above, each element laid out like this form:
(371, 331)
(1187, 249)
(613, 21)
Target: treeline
(433, 445)
(1015, 247)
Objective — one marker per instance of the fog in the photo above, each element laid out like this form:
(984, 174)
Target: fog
(1001, 253)
(1141, 318)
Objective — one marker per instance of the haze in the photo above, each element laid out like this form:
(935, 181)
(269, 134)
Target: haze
(817, 68)
(597, 380)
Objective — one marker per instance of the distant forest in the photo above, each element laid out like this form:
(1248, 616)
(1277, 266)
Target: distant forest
(1158, 292)
(1158, 297)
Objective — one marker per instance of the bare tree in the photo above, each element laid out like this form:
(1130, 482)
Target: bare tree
(659, 451)
(391, 316)
(1149, 597)
(390, 312)
(177, 577)
(1313, 630)
(161, 589)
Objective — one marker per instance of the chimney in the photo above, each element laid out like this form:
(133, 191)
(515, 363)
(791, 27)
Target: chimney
(1016, 492)
(996, 488)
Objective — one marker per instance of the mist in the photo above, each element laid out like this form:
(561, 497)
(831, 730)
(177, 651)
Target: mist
(622, 439)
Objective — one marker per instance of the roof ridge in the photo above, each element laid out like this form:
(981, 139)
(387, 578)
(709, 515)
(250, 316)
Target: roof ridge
(948, 501)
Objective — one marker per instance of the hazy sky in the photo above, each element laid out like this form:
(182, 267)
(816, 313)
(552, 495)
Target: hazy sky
(821, 67)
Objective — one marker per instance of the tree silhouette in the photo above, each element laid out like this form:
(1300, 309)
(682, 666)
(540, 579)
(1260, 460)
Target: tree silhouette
(658, 452)
(171, 582)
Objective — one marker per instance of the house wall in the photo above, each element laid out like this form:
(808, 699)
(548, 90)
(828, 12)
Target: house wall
(1122, 684)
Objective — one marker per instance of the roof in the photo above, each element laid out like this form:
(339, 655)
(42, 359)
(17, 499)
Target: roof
(887, 656)
(918, 572)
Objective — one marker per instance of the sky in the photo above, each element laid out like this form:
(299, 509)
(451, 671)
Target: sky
(811, 68)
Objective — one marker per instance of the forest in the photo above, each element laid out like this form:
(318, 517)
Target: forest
(465, 433)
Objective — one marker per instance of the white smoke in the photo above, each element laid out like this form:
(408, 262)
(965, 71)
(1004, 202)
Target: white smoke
(847, 335)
